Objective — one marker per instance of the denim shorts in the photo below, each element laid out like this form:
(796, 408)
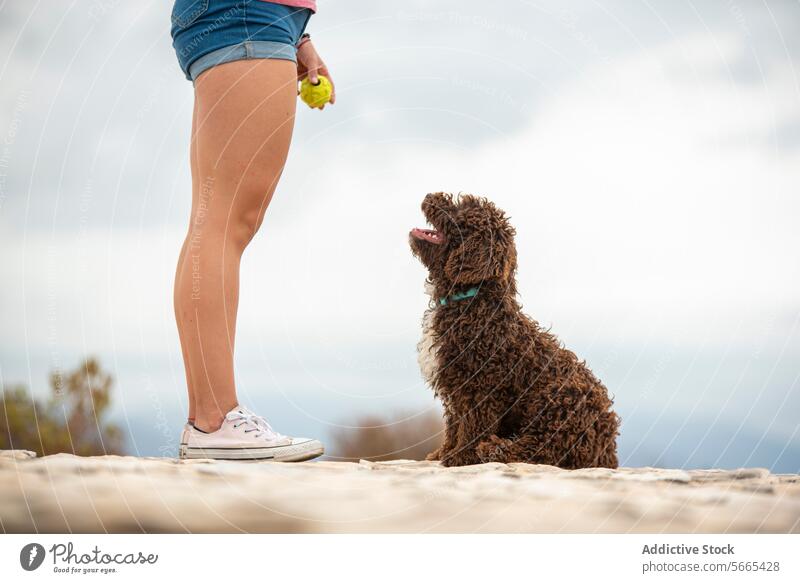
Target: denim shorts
(211, 32)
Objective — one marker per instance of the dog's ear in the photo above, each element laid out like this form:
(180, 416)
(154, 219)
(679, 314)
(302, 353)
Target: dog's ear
(481, 257)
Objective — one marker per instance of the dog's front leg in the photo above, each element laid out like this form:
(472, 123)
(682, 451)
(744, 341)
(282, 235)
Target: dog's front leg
(447, 445)
(449, 439)
(472, 428)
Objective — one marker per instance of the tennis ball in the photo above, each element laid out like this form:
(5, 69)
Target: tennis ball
(316, 95)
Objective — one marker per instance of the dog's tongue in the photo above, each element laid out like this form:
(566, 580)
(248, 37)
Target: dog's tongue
(429, 235)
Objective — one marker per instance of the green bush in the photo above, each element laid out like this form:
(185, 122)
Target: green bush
(72, 420)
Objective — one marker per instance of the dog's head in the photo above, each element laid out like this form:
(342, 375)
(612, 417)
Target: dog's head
(471, 242)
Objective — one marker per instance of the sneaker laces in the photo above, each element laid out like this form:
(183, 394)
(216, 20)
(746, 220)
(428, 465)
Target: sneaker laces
(262, 423)
(243, 417)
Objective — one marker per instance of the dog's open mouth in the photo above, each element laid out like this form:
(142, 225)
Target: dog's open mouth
(429, 235)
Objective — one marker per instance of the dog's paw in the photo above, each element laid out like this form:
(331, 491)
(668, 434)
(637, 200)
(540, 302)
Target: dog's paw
(455, 461)
(457, 458)
(435, 455)
(449, 462)
(492, 449)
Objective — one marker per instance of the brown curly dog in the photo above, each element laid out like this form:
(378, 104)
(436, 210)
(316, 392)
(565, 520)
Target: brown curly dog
(510, 391)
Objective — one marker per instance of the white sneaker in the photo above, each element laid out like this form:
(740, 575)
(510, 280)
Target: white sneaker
(301, 444)
(244, 435)
(184, 437)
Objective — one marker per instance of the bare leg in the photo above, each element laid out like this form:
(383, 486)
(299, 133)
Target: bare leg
(180, 285)
(242, 127)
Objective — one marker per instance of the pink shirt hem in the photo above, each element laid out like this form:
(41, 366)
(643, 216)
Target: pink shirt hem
(310, 4)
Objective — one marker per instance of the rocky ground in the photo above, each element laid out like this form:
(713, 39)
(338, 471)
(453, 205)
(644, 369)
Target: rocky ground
(65, 493)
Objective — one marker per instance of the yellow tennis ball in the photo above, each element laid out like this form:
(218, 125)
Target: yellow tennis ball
(316, 95)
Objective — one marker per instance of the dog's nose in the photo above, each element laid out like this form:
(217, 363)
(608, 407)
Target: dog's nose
(433, 200)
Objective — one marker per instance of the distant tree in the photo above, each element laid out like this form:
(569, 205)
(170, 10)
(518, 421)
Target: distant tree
(376, 438)
(72, 420)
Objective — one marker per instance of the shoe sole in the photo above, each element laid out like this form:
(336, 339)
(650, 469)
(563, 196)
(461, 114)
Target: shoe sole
(302, 456)
(289, 453)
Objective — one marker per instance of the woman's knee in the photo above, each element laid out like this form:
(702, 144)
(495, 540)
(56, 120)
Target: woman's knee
(243, 225)
(222, 226)
(233, 201)
(249, 204)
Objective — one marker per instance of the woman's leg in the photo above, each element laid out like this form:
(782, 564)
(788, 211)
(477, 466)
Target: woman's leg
(242, 127)
(179, 292)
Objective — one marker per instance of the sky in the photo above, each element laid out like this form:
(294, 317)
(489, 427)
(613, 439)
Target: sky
(648, 154)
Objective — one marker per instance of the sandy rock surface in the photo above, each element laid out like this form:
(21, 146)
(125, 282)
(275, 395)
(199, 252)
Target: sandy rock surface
(65, 493)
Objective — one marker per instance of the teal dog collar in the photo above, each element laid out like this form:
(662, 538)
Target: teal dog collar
(470, 293)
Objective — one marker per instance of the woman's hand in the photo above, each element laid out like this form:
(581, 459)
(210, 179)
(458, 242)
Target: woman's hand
(309, 64)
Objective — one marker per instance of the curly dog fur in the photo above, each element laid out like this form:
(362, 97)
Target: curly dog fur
(510, 391)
